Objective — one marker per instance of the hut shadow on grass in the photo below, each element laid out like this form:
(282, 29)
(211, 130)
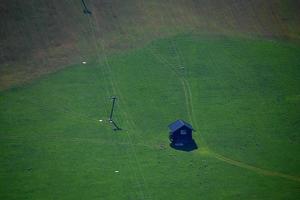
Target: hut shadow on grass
(190, 146)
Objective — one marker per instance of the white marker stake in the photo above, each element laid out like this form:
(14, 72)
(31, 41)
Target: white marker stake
(100, 120)
(117, 171)
(84, 62)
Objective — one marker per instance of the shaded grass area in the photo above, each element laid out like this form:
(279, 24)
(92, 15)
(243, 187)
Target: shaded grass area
(39, 37)
(245, 97)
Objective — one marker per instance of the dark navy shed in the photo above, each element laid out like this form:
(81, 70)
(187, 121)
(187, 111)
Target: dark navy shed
(180, 133)
(179, 124)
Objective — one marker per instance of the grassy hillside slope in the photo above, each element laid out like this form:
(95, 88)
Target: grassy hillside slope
(230, 68)
(245, 111)
(39, 37)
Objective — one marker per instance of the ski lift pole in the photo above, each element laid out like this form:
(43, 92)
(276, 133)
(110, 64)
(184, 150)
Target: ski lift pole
(112, 108)
(85, 9)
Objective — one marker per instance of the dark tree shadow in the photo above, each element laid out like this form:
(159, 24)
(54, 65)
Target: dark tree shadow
(190, 146)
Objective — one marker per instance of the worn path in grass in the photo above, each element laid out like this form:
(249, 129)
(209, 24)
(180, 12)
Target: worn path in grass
(204, 148)
(189, 103)
(143, 191)
(63, 135)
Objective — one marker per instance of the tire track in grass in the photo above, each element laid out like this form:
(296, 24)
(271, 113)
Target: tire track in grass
(127, 118)
(189, 102)
(140, 192)
(93, 24)
(183, 81)
(143, 186)
(253, 168)
(142, 6)
(206, 150)
(106, 91)
(131, 122)
(243, 164)
(131, 125)
(186, 90)
(188, 95)
(226, 159)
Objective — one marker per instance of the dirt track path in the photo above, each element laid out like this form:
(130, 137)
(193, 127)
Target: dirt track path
(226, 159)
(189, 106)
(204, 147)
(253, 168)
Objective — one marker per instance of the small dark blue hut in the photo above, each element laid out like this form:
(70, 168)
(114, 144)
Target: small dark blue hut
(180, 133)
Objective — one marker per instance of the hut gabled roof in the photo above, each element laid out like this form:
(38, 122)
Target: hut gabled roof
(179, 124)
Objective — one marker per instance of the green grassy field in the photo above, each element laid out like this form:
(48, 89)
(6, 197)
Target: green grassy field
(230, 68)
(241, 95)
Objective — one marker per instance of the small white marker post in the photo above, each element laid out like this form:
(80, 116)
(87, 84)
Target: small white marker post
(116, 171)
(100, 120)
(84, 62)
